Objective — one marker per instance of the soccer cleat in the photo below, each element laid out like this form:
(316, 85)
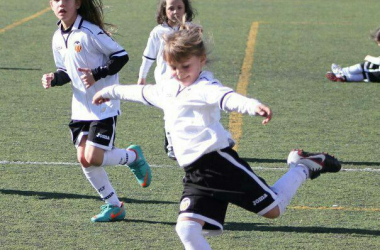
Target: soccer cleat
(337, 70)
(110, 213)
(140, 168)
(317, 163)
(334, 78)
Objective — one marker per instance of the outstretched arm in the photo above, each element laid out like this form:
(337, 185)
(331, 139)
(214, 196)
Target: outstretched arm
(234, 102)
(131, 93)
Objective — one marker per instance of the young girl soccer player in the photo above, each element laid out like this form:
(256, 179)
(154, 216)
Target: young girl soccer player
(368, 71)
(169, 12)
(214, 173)
(86, 55)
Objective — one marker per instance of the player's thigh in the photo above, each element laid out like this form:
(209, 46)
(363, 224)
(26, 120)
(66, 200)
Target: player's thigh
(81, 148)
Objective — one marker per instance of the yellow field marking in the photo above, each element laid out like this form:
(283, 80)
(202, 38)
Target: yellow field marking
(308, 23)
(337, 208)
(236, 119)
(25, 20)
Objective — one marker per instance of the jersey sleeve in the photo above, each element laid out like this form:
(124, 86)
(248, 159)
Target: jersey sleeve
(132, 93)
(145, 94)
(106, 45)
(214, 93)
(60, 76)
(117, 56)
(152, 47)
(228, 100)
(150, 54)
(153, 94)
(112, 66)
(234, 102)
(58, 60)
(145, 67)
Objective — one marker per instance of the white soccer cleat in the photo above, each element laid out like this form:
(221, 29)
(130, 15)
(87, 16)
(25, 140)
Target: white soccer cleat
(336, 69)
(317, 163)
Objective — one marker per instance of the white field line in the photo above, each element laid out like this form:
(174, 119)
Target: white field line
(31, 163)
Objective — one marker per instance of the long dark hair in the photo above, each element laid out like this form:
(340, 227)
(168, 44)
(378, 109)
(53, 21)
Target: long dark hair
(161, 16)
(375, 35)
(92, 11)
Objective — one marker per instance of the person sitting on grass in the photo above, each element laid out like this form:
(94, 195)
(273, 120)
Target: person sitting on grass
(367, 71)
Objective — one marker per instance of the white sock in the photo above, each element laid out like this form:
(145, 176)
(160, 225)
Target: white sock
(98, 178)
(287, 186)
(118, 156)
(190, 233)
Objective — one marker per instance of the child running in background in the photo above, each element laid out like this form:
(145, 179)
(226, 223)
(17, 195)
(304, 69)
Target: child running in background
(169, 12)
(86, 55)
(214, 173)
(368, 71)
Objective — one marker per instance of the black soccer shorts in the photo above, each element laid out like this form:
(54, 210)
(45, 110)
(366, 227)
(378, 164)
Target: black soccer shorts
(371, 71)
(220, 178)
(100, 133)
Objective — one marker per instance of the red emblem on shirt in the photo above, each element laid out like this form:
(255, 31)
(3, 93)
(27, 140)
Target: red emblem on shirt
(77, 46)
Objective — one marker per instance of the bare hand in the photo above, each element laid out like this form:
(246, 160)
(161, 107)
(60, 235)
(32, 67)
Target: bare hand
(264, 111)
(141, 81)
(46, 80)
(87, 77)
(98, 98)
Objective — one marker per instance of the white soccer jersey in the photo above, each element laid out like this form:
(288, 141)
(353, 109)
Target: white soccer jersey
(86, 46)
(153, 52)
(192, 113)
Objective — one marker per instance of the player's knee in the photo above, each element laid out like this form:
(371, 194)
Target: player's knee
(273, 214)
(82, 160)
(93, 160)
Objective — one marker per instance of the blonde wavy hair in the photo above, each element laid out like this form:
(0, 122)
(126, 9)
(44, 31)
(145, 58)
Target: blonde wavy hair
(184, 43)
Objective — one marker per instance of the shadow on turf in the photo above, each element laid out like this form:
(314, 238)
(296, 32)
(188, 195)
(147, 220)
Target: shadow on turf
(263, 227)
(50, 195)
(151, 222)
(6, 68)
(235, 226)
(284, 162)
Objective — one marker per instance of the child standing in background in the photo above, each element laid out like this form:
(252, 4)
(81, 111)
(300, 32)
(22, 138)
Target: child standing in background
(215, 175)
(368, 71)
(169, 13)
(86, 55)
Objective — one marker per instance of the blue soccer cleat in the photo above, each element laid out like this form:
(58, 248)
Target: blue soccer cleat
(140, 168)
(110, 213)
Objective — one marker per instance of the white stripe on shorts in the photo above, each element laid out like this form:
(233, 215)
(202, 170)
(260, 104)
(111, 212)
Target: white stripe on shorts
(263, 185)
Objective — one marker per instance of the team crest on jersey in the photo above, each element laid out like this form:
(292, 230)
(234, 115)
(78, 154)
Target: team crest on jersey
(77, 46)
(185, 203)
